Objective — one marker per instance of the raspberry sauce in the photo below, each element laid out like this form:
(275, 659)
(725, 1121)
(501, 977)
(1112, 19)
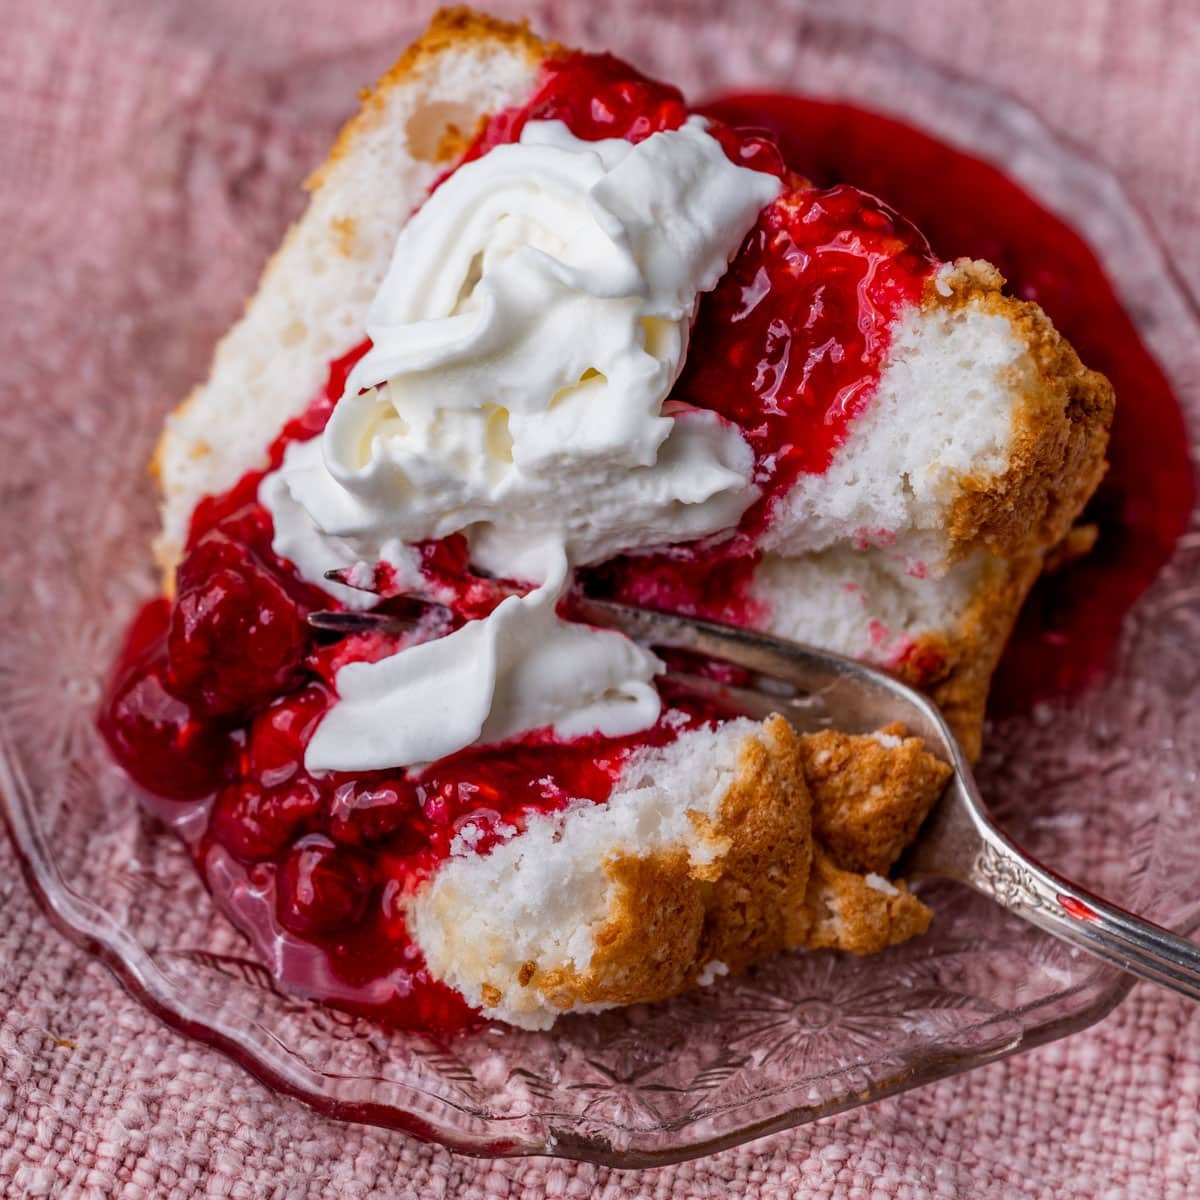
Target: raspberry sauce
(1070, 624)
(218, 692)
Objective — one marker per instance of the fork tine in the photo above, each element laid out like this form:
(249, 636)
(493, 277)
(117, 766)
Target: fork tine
(806, 713)
(360, 622)
(857, 698)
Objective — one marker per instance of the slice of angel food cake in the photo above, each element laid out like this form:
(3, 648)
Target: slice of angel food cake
(544, 331)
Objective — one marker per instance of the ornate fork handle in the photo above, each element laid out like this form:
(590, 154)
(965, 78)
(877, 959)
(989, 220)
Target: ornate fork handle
(962, 843)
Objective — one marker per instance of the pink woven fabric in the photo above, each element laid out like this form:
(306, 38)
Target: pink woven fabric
(96, 1098)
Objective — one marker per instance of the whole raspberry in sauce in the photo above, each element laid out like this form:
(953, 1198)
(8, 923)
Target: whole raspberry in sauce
(256, 822)
(237, 638)
(165, 745)
(321, 888)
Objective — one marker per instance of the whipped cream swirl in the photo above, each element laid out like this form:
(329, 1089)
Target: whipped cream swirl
(521, 668)
(530, 326)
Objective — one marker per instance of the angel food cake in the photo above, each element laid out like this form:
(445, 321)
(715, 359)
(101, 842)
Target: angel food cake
(544, 331)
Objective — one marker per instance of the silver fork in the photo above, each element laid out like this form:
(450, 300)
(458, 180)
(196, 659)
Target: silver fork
(817, 690)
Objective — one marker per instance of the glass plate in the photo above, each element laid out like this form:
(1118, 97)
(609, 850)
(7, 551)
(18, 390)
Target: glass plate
(1101, 787)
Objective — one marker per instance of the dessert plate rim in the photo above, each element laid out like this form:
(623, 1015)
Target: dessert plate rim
(439, 1120)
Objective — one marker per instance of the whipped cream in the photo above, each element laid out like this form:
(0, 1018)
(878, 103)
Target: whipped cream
(525, 337)
(520, 668)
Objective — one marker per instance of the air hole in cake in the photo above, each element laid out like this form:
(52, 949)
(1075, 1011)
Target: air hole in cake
(439, 131)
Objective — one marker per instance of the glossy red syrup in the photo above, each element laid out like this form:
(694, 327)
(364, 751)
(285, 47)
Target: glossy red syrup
(598, 96)
(1069, 626)
(1076, 908)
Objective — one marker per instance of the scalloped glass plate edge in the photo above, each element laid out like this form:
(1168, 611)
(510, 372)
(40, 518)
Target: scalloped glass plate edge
(1144, 265)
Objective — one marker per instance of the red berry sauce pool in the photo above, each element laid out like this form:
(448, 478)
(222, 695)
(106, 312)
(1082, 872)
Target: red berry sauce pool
(218, 691)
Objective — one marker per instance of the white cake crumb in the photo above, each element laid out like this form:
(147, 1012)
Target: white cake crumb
(809, 599)
(941, 279)
(466, 839)
(882, 885)
(541, 897)
(361, 575)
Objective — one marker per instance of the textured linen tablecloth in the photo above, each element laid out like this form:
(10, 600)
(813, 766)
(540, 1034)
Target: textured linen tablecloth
(96, 1097)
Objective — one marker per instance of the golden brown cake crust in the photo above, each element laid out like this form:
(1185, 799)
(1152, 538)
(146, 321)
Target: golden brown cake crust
(1061, 429)
(846, 911)
(1019, 518)
(955, 666)
(671, 920)
(869, 797)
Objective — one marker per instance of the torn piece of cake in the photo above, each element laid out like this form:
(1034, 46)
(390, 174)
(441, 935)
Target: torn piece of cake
(543, 328)
(637, 899)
